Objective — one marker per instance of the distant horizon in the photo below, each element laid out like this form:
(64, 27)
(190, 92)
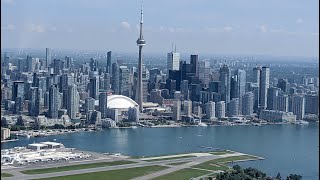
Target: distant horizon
(277, 28)
(3, 50)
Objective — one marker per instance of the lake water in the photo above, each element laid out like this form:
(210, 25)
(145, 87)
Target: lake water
(286, 148)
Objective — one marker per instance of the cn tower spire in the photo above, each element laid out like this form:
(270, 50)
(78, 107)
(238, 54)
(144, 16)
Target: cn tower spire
(141, 21)
(140, 42)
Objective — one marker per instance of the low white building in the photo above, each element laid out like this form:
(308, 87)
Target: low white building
(109, 123)
(277, 116)
(37, 146)
(52, 145)
(5, 133)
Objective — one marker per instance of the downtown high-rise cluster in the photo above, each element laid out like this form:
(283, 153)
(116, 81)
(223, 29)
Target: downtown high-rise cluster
(57, 91)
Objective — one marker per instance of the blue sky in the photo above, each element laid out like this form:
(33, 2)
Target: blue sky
(250, 27)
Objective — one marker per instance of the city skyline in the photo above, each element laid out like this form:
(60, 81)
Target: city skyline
(285, 28)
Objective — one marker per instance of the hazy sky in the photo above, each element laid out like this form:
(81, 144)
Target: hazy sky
(270, 27)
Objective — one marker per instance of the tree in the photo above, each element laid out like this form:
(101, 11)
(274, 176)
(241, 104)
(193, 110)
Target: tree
(278, 176)
(4, 122)
(58, 126)
(251, 173)
(236, 167)
(294, 177)
(20, 121)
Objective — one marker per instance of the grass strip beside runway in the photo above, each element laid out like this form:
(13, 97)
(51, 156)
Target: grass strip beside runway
(119, 174)
(6, 175)
(169, 158)
(183, 174)
(76, 167)
(219, 164)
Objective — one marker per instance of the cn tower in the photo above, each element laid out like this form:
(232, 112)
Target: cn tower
(140, 42)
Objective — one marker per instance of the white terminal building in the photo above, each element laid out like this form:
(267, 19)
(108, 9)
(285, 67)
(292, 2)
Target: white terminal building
(45, 145)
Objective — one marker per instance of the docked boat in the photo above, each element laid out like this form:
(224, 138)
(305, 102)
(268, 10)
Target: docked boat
(301, 122)
(256, 124)
(202, 124)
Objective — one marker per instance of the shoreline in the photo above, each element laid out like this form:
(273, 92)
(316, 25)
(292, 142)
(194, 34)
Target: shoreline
(9, 140)
(31, 133)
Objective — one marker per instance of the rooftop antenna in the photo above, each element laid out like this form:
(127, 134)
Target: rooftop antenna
(175, 48)
(172, 47)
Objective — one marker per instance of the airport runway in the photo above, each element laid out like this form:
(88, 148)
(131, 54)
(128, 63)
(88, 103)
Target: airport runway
(194, 160)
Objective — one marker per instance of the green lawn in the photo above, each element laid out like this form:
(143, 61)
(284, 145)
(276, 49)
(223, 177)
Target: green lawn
(179, 157)
(182, 174)
(178, 163)
(218, 164)
(119, 174)
(75, 167)
(6, 175)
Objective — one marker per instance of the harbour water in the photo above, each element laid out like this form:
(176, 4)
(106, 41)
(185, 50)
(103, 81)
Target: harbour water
(288, 149)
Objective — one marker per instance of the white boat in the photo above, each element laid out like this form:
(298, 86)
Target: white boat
(301, 122)
(202, 124)
(256, 124)
(134, 127)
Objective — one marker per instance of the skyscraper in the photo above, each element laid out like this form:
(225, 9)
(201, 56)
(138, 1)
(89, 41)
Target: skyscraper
(176, 110)
(89, 104)
(241, 83)
(34, 103)
(48, 57)
(73, 101)
(210, 110)
(6, 59)
(18, 90)
(256, 80)
(194, 64)
(184, 88)
(107, 81)
(233, 107)
(272, 98)
(109, 62)
(220, 109)
(173, 61)
(115, 78)
(94, 87)
(103, 104)
(225, 83)
(264, 85)
(298, 106)
(140, 42)
(283, 85)
(247, 103)
(124, 81)
(187, 106)
(204, 71)
(53, 101)
(31, 64)
(312, 104)
(282, 102)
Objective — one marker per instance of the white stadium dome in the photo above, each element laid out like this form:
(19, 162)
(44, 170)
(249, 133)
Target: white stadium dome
(120, 102)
